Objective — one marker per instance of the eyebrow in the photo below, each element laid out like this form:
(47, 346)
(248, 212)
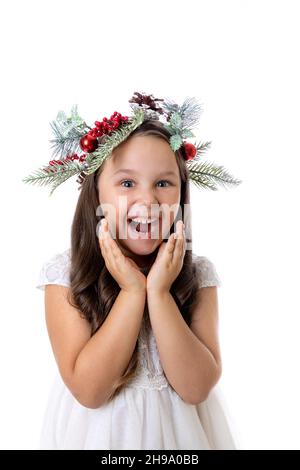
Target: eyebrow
(130, 171)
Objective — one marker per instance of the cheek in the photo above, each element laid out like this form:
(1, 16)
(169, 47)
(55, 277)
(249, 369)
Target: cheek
(111, 200)
(171, 199)
(119, 206)
(169, 209)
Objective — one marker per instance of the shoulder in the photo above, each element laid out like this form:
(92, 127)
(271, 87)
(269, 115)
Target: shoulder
(206, 271)
(55, 270)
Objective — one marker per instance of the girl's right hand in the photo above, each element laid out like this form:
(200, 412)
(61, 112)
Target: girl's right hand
(123, 269)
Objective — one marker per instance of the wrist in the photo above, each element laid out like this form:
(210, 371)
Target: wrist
(139, 291)
(158, 291)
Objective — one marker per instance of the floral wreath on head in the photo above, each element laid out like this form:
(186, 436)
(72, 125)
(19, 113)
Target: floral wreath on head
(82, 149)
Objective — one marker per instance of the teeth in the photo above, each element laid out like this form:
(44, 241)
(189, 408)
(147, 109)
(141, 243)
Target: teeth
(143, 221)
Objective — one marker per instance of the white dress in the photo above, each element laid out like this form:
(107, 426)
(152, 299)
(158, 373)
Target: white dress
(147, 414)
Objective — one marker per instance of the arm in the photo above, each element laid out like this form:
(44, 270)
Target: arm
(190, 356)
(90, 366)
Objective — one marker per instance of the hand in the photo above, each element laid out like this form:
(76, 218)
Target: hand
(123, 269)
(169, 261)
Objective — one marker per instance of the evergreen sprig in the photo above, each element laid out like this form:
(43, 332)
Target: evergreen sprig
(57, 175)
(68, 132)
(65, 144)
(181, 119)
(189, 111)
(208, 175)
(201, 149)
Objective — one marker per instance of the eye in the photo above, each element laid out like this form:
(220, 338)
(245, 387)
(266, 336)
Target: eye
(165, 181)
(126, 181)
(161, 181)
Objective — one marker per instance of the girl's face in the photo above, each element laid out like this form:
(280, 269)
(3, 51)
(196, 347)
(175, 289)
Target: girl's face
(140, 181)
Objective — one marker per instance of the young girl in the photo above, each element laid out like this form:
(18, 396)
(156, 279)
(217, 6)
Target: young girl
(133, 318)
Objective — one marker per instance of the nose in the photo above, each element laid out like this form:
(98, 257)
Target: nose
(145, 203)
(147, 197)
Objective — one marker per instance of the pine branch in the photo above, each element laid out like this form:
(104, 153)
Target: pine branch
(62, 178)
(67, 132)
(208, 175)
(66, 143)
(201, 149)
(189, 112)
(169, 106)
(95, 159)
(55, 174)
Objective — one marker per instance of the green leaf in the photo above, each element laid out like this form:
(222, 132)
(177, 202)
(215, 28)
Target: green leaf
(175, 120)
(186, 133)
(172, 130)
(175, 142)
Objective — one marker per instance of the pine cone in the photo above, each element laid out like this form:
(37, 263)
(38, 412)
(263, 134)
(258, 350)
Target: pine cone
(81, 178)
(147, 100)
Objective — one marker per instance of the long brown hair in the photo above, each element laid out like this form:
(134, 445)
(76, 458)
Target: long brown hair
(93, 290)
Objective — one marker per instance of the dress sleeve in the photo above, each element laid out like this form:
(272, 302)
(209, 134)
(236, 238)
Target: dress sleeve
(55, 271)
(207, 273)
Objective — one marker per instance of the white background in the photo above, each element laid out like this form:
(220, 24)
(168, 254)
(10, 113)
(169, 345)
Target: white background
(241, 60)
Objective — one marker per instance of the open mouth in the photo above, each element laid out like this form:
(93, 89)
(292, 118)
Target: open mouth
(143, 226)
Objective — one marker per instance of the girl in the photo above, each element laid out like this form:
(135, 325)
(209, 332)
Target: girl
(133, 320)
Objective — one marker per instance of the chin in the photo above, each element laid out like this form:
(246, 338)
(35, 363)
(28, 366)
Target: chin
(141, 247)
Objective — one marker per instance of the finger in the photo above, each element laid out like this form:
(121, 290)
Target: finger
(170, 245)
(179, 229)
(102, 230)
(117, 253)
(184, 243)
(110, 242)
(113, 253)
(178, 250)
(103, 250)
(107, 242)
(103, 240)
(101, 236)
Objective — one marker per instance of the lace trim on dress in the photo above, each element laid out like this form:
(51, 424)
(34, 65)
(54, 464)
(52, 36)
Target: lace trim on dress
(149, 373)
(206, 271)
(55, 271)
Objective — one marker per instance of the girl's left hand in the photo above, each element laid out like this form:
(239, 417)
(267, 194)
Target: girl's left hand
(169, 261)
